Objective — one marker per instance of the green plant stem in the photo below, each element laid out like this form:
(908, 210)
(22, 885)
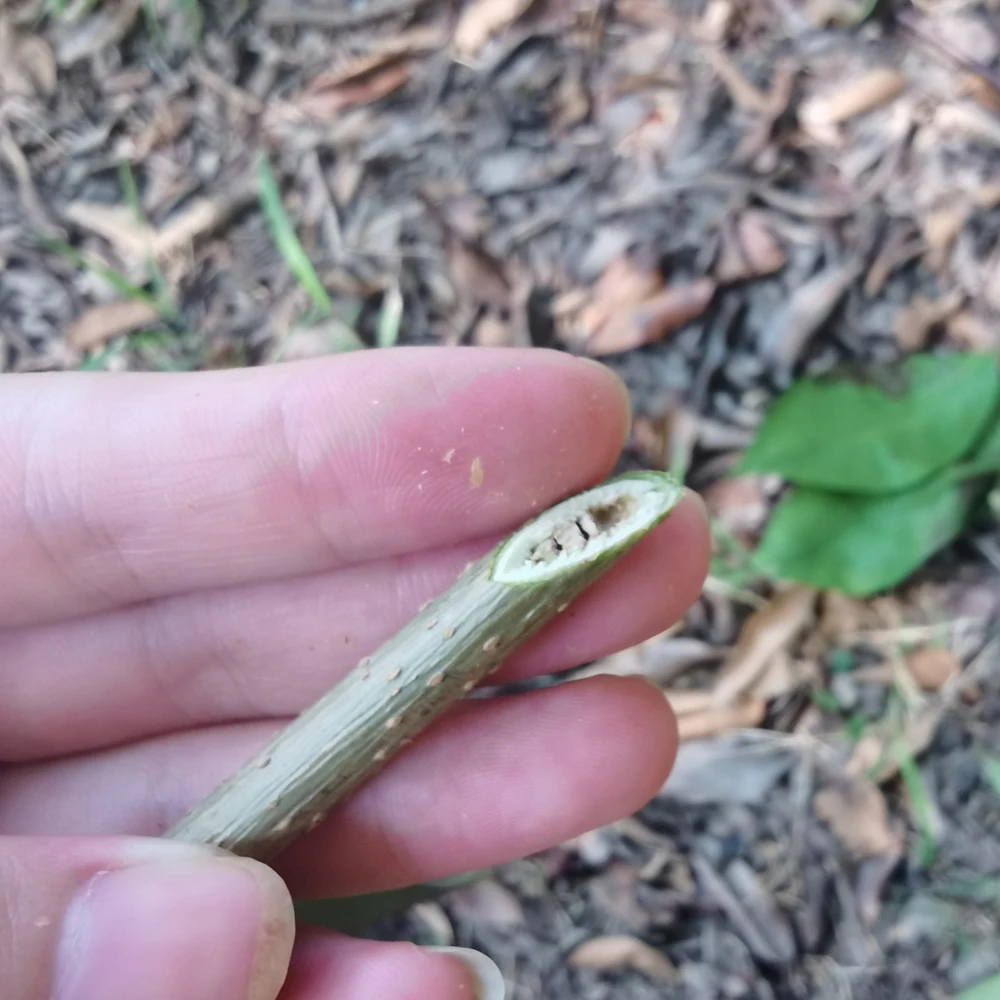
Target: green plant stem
(429, 665)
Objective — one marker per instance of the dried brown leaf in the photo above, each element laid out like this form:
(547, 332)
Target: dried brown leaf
(701, 725)
(486, 903)
(615, 952)
(664, 313)
(872, 90)
(915, 321)
(982, 92)
(625, 282)
(614, 892)
(901, 247)
(973, 332)
(855, 810)
(932, 668)
(480, 19)
(476, 276)
(987, 196)
(101, 323)
(414, 41)
(841, 617)
(115, 223)
(765, 633)
(942, 224)
(322, 100)
(738, 504)
(749, 250)
(199, 218)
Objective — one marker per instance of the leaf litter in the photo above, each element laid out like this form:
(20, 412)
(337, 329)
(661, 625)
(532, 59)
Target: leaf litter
(719, 200)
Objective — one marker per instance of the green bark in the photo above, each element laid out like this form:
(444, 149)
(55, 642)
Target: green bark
(451, 645)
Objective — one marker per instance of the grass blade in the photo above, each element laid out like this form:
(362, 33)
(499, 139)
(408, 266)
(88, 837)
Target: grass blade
(291, 250)
(121, 285)
(390, 318)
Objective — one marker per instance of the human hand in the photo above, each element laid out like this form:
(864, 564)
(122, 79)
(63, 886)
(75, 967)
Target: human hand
(190, 560)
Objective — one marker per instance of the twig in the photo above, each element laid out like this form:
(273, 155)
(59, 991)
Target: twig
(448, 648)
(335, 16)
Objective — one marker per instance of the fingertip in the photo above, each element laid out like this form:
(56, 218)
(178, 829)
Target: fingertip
(652, 728)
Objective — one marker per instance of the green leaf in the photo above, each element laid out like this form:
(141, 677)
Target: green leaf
(861, 545)
(855, 437)
(985, 459)
(988, 989)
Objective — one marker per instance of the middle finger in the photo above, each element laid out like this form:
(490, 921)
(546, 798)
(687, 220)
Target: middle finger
(270, 650)
(490, 781)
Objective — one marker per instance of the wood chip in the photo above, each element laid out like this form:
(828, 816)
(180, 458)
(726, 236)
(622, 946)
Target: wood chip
(688, 702)
(765, 633)
(855, 810)
(807, 310)
(916, 321)
(970, 121)
(619, 951)
(713, 722)
(749, 250)
(101, 323)
(77, 41)
(481, 19)
(872, 90)
(742, 92)
(27, 63)
(738, 504)
(932, 668)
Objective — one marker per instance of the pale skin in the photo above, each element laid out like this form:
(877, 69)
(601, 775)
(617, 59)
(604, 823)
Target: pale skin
(190, 560)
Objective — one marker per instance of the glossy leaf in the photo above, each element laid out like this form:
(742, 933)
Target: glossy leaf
(861, 545)
(855, 437)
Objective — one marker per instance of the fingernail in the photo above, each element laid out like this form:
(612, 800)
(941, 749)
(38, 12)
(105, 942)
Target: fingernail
(487, 979)
(203, 928)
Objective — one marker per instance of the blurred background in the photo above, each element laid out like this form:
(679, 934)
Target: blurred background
(778, 221)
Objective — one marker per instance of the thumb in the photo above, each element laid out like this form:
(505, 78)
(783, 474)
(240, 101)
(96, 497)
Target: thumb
(139, 919)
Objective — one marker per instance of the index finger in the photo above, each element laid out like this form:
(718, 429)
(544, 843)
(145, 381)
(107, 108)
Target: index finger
(116, 489)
